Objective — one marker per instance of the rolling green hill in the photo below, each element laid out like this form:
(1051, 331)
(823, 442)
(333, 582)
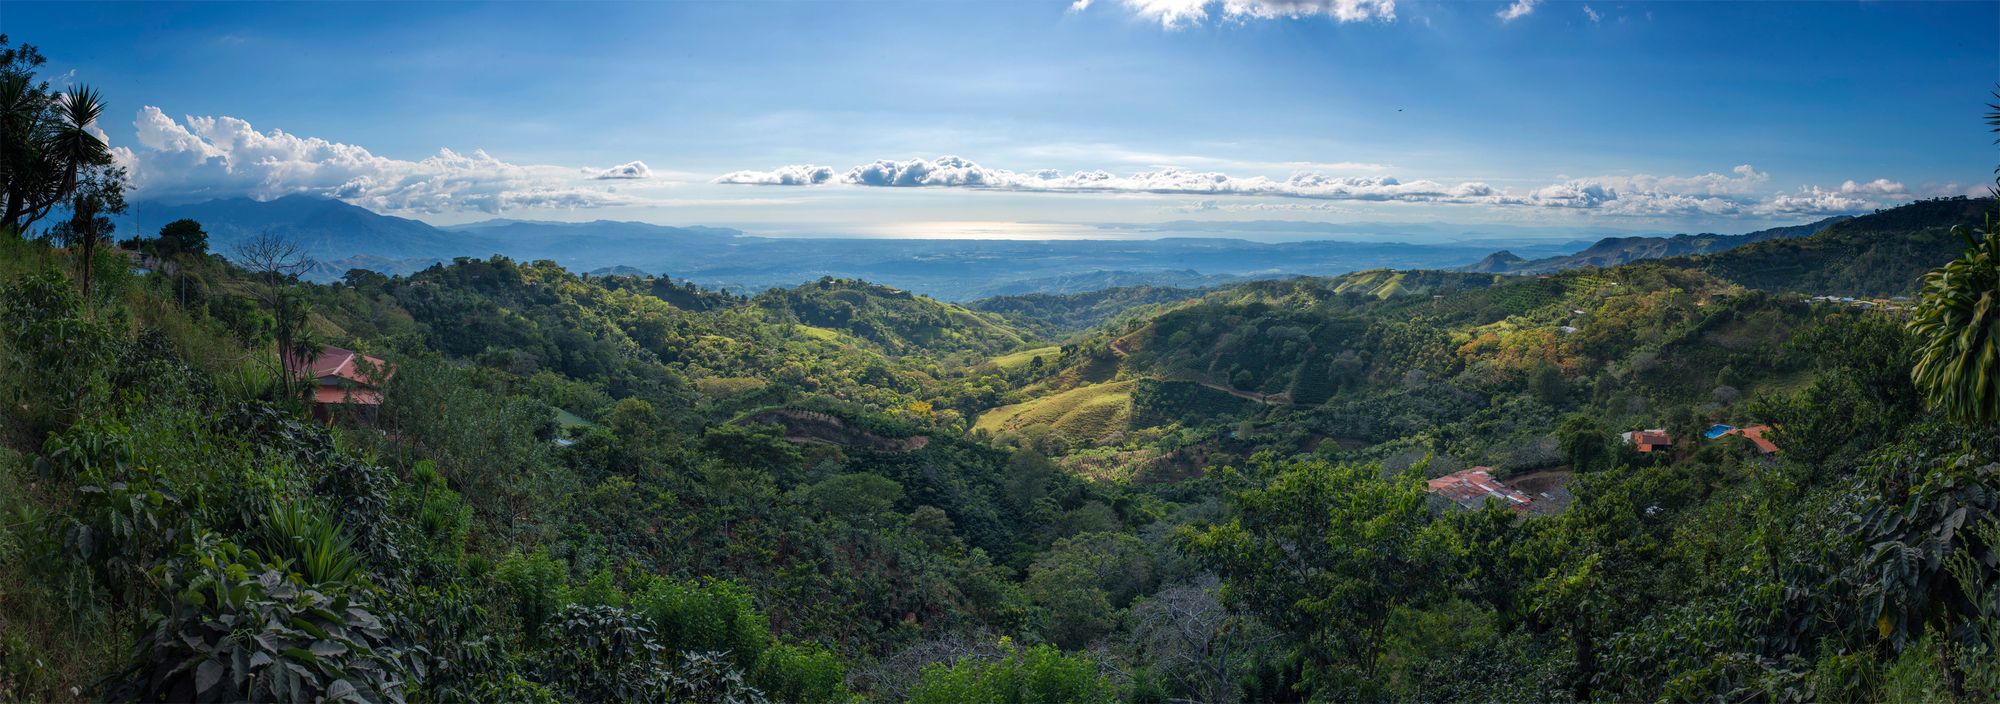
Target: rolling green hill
(897, 321)
(1883, 254)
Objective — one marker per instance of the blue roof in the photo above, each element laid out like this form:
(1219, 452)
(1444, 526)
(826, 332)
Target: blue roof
(1717, 430)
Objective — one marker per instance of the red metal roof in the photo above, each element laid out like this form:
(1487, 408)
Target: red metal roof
(1755, 434)
(1470, 488)
(340, 377)
(336, 394)
(338, 363)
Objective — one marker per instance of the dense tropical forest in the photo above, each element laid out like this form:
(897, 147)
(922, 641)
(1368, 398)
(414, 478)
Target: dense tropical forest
(538, 485)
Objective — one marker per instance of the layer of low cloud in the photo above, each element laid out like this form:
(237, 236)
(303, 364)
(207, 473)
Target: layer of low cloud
(1177, 14)
(1520, 9)
(951, 171)
(1741, 192)
(219, 157)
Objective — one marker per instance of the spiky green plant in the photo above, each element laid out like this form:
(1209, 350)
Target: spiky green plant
(316, 547)
(1957, 322)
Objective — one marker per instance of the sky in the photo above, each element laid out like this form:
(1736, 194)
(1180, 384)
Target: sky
(1033, 119)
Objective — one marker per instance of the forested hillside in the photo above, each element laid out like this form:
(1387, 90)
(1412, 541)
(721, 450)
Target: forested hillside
(628, 488)
(493, 480)
(1884, 254)
(1613, 251)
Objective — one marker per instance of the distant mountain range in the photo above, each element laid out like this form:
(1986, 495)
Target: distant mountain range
(342, 237)
(1613, 251)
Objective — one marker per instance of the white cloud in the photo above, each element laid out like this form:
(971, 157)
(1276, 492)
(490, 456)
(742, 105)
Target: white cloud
(1592, 14)
(796, 175)
(1739, 193)
(1848, 198)
(219, 157)
(1176, 14)
(627, 170)
(1518, 10)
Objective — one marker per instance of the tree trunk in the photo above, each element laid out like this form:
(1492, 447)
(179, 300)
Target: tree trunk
(1586, 659)
(89, 247)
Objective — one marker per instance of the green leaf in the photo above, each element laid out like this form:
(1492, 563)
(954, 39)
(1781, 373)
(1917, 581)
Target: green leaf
(327, 648)
(207, 676)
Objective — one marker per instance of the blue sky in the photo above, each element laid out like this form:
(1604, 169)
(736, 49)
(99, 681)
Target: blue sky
(1615, 116)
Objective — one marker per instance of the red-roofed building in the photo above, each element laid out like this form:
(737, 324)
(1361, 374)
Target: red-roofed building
(1755, 434)
(1470, 489)
(1648, 440)
(338, 377)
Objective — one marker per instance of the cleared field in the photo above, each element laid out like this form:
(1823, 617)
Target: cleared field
(1084, 412)
(1017, 360)
(718, 387)
(827, 334)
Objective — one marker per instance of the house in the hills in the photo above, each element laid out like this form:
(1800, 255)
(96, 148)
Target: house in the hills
(341, 377)
(1648, 440)
(1755, 434)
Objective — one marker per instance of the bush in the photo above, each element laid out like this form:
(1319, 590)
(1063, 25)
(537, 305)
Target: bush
(1038, 674)
(706, 616)
(538, 585)
(801, 673)
(603, 654)
(238, 628)
(54, 356)
(310, 544)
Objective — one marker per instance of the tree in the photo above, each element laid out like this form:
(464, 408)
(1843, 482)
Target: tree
(47, 145)
(1957, 321)
(1585, 444)
(182, 236)
(1085, 580)
(1325, 552)
(276, 262)
(101, 195)
(1190, 638)
(1547, 384)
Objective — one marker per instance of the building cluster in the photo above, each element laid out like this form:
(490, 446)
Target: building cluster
(1471, 488)
(1893, 303)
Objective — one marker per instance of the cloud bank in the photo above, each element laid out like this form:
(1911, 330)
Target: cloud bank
(1741, 192)
(1178, 14)
(220, 157)
(955, 172)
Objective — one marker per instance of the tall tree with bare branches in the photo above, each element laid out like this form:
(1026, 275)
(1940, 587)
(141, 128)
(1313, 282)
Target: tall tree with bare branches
(276, 263)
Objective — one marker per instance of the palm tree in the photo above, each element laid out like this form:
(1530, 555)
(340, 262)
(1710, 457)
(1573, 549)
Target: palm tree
(1958, 324)
(71, 144)
(46, 141)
